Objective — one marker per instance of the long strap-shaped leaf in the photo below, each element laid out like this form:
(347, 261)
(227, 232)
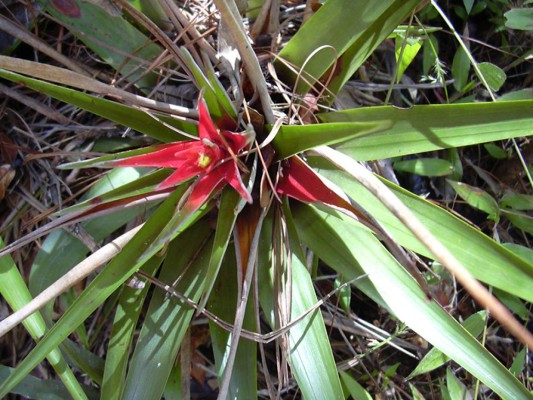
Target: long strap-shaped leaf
(441, 253)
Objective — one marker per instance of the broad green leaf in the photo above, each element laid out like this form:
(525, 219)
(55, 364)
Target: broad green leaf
(15, 292)
(407, 48)
(517, 201)
(119, 113)
(131, 258)
(435, 358)
(460, 69)
(477, 198)
(223, 303)
(425, 166)
(494, 75)
(111, 37)
(354, 388)
(520, 219)
(293, 139)
(167, 320)
(354, 29)
(522, 94)
(495, 151)
(519, 18)
(434, 127)
(124, 326)
(482, 256)
(403, 295)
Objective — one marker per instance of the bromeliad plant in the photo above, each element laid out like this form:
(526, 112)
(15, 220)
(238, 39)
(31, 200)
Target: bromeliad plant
(241, 201)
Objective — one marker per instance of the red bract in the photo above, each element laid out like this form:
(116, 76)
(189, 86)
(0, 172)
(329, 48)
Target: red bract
(212, 158)
(300, 182)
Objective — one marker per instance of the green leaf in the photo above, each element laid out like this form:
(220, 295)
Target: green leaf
(124, 326)
(482, 256)
(44, 389)
(403, 295)
(430, 50)
(460, 69)
(519, 362)
(477, 198)
(495, 151)
(468, 5)
(309, 350)
(113, 38)
(517, 201)
(425, 166)
(293, 139)
(435, 358)
(456, 389)
(523, 252)
(354, 29)
(223, 303)
(519, 18)
(354, 388)
(15, 292)
(513, 303)
(216, 98)
(494, 75)
(119, 113)
(167, 320)
(434, 127)
(407, 49)
(519, 219)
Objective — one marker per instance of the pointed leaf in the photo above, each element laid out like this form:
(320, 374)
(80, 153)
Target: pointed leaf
(434, 127)
(293, 139)
(120, 113)
(425, 166)
(477, 198)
